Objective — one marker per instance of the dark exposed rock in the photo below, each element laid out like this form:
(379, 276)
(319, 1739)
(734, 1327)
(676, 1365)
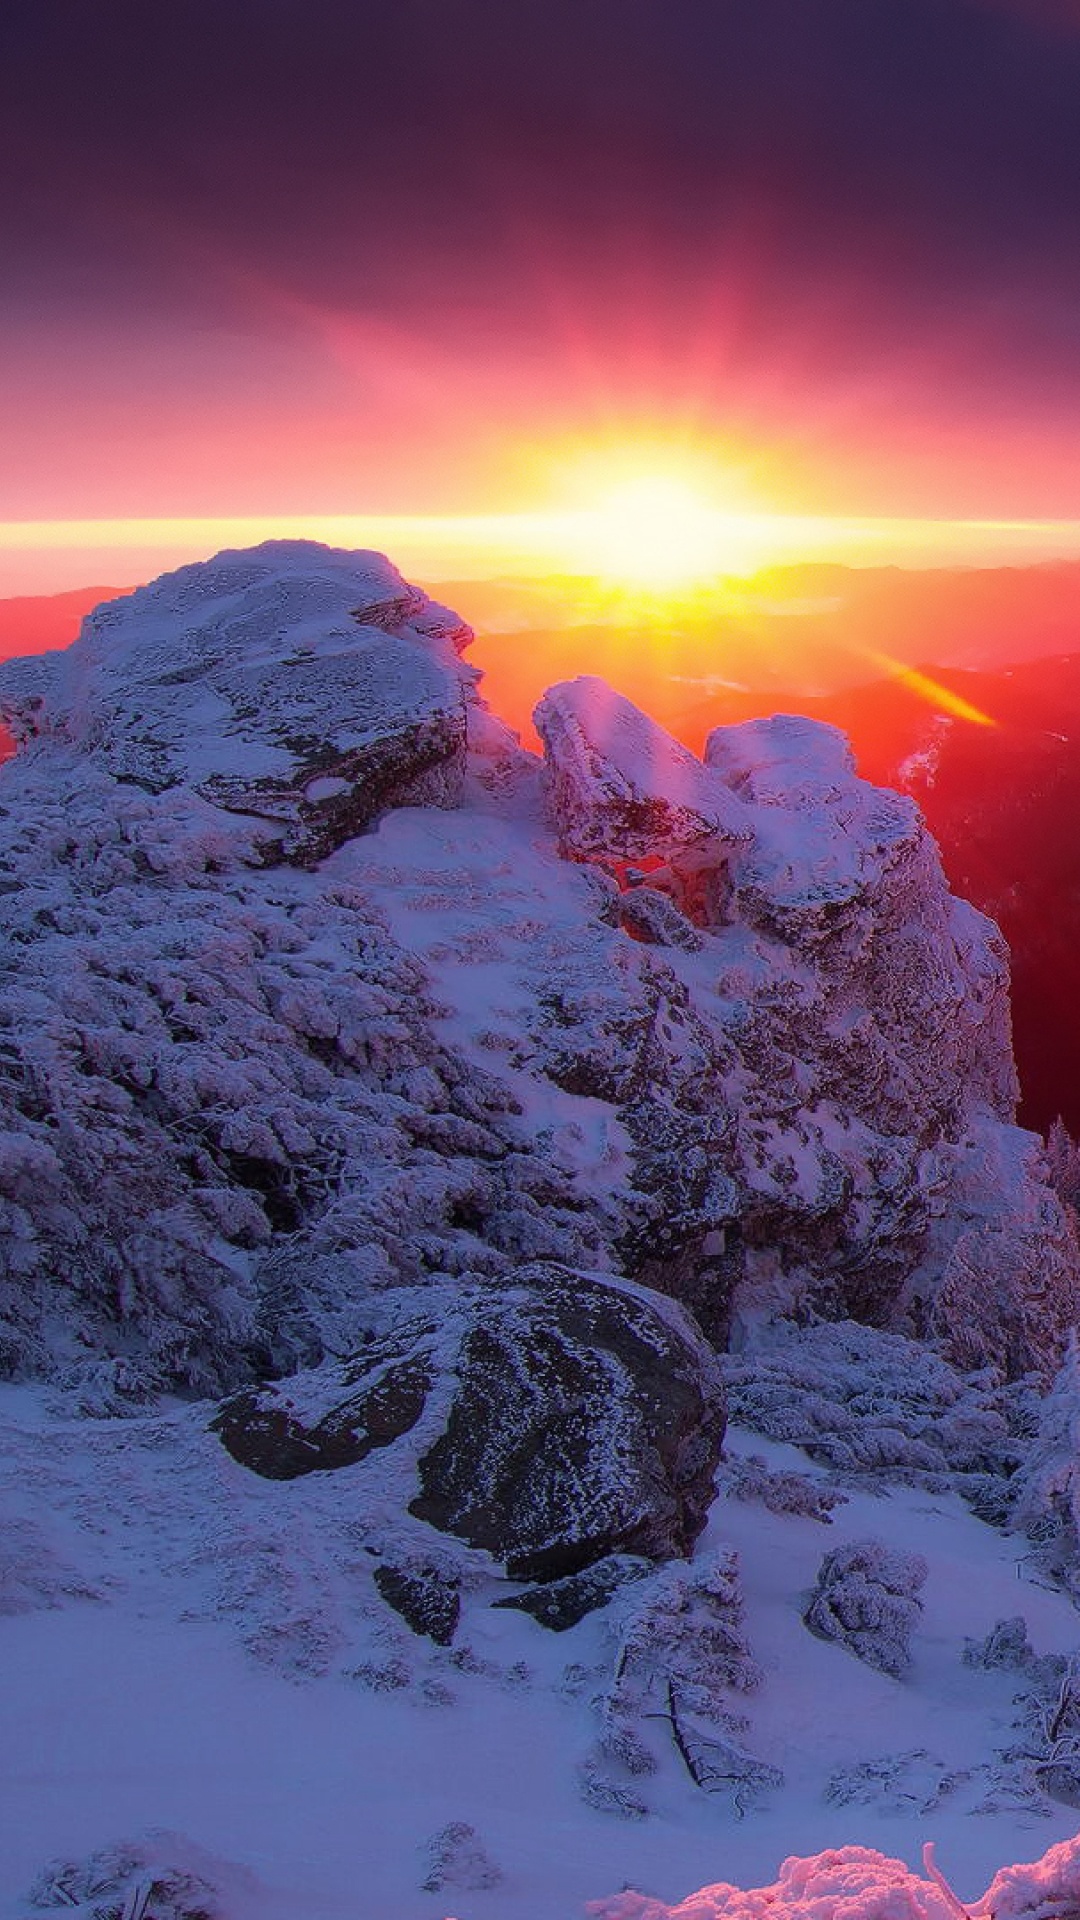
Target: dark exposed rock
(427, 1598)
(273, 1440)
(562, 1603)
(649, 915)
(569, 1417)
(587, 1422)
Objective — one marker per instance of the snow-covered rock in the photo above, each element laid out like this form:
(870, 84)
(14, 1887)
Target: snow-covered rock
(305, 689)
(245, 1089)
(621, 788)
(552, 1420)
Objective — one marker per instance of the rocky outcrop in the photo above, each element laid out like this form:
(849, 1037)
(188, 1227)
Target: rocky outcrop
(863, 1023)
(717, 1027)
(621, 789)
(560, 1604)
(426, 1597)
(552, 1421)
(310, 697)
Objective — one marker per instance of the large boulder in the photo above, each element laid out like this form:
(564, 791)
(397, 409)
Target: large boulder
(551, 1421)
(307, 688)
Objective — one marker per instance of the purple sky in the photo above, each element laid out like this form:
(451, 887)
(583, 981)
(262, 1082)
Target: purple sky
(299, 256)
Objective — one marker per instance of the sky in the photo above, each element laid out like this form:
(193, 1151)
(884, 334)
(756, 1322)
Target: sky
(273, 258)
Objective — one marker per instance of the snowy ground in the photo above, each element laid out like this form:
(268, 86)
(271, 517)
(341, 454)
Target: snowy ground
(199, 1682)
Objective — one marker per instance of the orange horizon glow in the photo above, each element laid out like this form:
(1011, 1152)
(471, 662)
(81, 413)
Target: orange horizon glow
(616, 541)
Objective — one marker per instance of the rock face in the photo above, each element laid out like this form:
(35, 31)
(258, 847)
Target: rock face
(310, 697)
(439, 1116)
(552, 1421)
(863, 989)
(714, 1026)
(622, 789)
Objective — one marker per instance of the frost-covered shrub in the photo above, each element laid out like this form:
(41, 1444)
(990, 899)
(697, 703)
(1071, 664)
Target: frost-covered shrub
(911, 1782)
(1063, 1163)
(600, 1788)
(32, 1573)
(747, 1477)
(860, 1884)
(125, 1883)
(1044, 1760)
(866, 1598)
(682, 1663)
(1006, 1297)
(457, 1858)
(1047, 1889)
(685, 1629)
(856, 1883)
(877, 1407)
(1006, 1646)
(1047, 1487)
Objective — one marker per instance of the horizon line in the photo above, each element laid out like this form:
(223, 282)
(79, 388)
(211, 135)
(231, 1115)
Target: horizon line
(535, 544)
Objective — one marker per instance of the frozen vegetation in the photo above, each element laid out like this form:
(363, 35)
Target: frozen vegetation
(470, 1223)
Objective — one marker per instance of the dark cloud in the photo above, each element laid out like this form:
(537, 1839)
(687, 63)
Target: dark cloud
(329, 137)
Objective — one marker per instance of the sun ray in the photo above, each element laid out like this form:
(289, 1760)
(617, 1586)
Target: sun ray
(932, 691)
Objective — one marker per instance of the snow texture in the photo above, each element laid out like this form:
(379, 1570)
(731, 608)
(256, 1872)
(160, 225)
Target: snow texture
(856, 1883)
(311, 689)
(241, 1095)
(401, 1145)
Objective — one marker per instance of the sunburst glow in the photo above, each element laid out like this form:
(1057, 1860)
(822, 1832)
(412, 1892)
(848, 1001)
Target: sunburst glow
(655, 533)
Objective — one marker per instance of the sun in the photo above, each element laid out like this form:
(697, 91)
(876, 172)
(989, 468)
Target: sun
(656, 533)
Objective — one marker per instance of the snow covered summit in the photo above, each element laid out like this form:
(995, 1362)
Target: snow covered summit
(455, 1132)
(291, 683)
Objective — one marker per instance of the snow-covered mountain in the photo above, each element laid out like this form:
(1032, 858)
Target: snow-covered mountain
(414, 1156)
